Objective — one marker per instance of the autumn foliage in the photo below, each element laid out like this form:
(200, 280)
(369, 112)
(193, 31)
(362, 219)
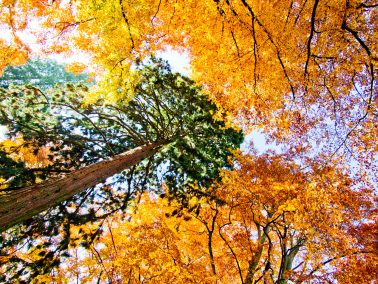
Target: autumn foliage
(303, 73)
(303, 70)
(271, 222)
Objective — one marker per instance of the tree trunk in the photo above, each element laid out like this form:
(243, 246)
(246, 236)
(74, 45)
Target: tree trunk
(22, 204)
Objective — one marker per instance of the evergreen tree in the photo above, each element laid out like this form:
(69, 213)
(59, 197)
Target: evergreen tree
(43, 74)
(168, 124)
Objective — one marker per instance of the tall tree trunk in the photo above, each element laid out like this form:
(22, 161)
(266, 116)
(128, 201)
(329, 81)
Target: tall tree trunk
(21, 204)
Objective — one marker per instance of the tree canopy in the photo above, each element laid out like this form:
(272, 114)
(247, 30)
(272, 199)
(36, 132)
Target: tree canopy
(276, 224)
(301, 72)
(305, 71)
(166, 110)
(39, 73)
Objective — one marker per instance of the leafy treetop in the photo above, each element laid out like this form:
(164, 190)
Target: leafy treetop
(276, 223)
(303, 71)
(166, 108)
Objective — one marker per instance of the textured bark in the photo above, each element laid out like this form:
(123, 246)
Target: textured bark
(21, 204)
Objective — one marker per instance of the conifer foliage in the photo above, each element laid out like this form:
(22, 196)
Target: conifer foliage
(169, 118)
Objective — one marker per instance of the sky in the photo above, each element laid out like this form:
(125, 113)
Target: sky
(179, 62)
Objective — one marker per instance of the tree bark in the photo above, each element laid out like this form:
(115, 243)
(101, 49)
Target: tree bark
(22, 204)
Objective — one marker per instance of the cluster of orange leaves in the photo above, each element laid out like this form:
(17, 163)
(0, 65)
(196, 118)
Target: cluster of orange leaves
(19, 150)
(277, 223)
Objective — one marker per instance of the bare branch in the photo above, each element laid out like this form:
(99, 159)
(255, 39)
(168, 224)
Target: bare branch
(311, 35)
(127, 23)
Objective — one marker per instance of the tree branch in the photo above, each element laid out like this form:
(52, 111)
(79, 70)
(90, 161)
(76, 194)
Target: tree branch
(127, 23)
(311, 35)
